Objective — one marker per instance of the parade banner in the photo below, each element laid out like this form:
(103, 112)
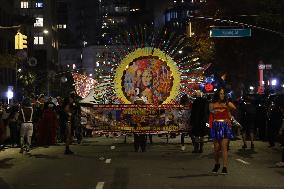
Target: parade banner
(142, 88)
(137, 118)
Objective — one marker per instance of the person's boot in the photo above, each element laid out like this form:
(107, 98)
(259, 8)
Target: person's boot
(224, 171)
(201, 147)
(136, 147)
(151, 139)
(27, 148)
(196, 147)
(68, 151)
(136, 143)
(21, 150)
(216, 168)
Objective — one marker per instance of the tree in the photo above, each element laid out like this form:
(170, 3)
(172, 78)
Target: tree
(8, 61)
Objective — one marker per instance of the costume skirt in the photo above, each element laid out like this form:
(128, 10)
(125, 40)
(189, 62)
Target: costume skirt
(221, 130)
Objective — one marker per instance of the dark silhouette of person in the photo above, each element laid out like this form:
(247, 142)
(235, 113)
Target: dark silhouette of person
(198, 120)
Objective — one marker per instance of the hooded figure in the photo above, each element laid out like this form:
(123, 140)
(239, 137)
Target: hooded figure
(48, 126)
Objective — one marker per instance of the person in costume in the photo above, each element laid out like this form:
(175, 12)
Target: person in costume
(220, 128)
(26, 119)
(48, 126)
(184, 119)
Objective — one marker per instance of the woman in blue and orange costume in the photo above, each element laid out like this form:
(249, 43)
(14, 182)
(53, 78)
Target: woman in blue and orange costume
(220, 128)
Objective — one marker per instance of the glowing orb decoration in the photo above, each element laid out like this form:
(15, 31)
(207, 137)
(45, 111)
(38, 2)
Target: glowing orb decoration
(83, 84)
(148, 74)
(209, 87)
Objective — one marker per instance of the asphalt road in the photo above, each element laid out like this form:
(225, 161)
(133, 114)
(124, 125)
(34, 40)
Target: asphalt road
(96, 165)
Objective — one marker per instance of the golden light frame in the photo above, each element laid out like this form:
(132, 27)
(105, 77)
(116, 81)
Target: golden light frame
(144, 52)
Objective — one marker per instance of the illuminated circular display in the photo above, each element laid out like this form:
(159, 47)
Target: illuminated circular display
(147, 75)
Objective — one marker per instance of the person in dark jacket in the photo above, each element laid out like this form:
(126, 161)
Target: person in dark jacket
(275, 117)
(140, 139)
(76, 117)
(65, 123)
(281, 133)
(13, 124)
(198, 120)
(248, 119)
(261, 120)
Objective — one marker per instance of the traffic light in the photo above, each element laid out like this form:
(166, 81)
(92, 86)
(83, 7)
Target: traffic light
(20, 41)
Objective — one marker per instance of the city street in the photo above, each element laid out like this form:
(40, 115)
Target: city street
(108, 163)
(71, 68)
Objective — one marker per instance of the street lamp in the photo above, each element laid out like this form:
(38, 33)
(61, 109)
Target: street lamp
(10, 93)
(251, 88)
(45, 31)
(195, 59)
(274, 82)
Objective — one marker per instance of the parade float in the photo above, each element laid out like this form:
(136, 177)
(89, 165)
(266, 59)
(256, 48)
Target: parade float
(141, 90)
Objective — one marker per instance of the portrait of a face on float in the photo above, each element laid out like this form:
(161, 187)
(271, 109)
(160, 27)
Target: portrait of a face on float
(147, 79)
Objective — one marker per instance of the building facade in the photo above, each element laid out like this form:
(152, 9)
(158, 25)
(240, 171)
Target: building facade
(42, 33)
(7, 32)
(177, 16)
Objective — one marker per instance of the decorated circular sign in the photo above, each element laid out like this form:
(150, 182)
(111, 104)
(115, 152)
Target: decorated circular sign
(149, 75)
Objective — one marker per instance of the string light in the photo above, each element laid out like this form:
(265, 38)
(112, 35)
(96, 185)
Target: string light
(83, 84)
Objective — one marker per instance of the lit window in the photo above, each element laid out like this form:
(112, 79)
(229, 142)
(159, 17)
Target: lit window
(39, 21)
(38, 40)
(24, 4)
(61, 26)
(39, 5)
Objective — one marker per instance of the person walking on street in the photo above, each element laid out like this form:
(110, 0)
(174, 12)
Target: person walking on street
(76, 117)
(198, 119)
(65, 120)
(140, 139)
(220, 128)
(274, 122)
(26, 131)
(184, 120)
(48, 126)
(281, 133)
(13, 124)
(248, 120)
